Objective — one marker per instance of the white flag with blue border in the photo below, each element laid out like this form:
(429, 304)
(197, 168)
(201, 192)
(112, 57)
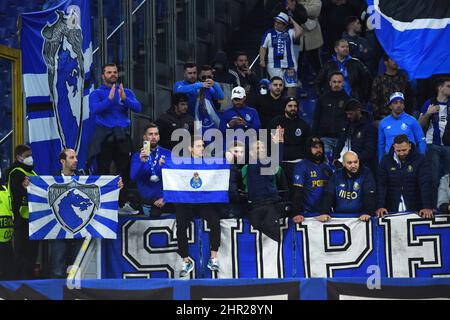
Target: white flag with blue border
(196, 183)
(71, 207)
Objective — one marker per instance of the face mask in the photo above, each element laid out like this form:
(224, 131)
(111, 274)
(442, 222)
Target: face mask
(263, 91)
(28, 161)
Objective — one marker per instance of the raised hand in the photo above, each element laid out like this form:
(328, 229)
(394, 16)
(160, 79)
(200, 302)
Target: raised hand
(112, 92)
(122, 94)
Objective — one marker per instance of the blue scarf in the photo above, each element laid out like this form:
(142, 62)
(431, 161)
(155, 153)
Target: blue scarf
(343, 68)
(279, 43)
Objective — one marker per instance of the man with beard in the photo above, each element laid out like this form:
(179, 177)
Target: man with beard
(111, 140)
(404, 181)
(350, 190)
(311, 176)
(240, 116)
(399, 122)
(271, 105)
(146, 173)
(296, 133)
(244, 76)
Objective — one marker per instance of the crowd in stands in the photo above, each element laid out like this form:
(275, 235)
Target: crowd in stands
(369, 150)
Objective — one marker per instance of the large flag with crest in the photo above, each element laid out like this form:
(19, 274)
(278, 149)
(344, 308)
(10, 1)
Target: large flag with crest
(68, 207)
(57, 65)
(414, 33)
(196, 183)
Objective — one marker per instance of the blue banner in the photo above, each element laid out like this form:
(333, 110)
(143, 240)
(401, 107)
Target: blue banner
(413, 33)
(399, 245)
(66, 207)
(57, 66)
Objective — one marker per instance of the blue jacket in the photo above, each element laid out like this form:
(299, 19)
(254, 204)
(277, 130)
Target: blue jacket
(391, 127)
(191, 89)
(350, 194)
(411, 179)
(141, 172)
(250, 115)
(112, 113)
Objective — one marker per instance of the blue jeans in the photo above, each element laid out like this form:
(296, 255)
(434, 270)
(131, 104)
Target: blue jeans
(439, 158)
(63, 253)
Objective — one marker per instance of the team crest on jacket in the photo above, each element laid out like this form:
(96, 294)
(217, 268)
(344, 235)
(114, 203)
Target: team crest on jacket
(356, 186)
(196, 181)
(410, 169)
(247, 117)
(358, 135)
(404, 126)
(298, 132)
(74, 204)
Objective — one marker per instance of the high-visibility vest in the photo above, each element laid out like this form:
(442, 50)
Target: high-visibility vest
(6, 216)
(24, 211)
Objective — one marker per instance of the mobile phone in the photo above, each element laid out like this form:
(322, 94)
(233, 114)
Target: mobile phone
(146, 146)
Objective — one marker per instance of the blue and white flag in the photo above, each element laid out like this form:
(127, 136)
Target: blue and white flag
(414, 33)
(57, 66)
(68, 207)
(196, 183)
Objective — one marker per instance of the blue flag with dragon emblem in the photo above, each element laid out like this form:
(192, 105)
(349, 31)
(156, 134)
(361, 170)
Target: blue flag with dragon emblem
(71, 207)
(414, 33)
(57, 65)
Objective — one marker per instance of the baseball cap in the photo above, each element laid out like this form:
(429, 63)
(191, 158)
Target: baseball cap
(238, 92)
(282, 17)
(396, 96)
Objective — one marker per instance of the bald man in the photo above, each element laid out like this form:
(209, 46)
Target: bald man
(351, 190)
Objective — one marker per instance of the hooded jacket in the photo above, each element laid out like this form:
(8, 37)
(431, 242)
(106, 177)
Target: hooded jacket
(411, 179)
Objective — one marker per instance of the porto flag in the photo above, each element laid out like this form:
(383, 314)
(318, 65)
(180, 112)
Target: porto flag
(57, 67)
(196, 183)
(70, 207)
(414, 33)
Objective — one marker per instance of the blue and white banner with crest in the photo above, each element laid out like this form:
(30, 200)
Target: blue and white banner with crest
(57, 67)
(196, 183)
(65, 207)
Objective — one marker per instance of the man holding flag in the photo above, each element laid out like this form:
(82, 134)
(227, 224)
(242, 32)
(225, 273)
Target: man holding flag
(196, 186)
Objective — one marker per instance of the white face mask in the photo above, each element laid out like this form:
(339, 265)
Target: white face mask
(263, 91)
(28, 161)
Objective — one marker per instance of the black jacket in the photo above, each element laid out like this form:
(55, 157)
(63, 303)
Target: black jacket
(412, 179)
(329, 116)
(269, 108)
(363, 140)
(296, 132)
(168, 122)
(359, 78)
(446, 136)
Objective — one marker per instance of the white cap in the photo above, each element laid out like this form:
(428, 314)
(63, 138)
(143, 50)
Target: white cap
(282, 17)
(238, 92)
(396, 96)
